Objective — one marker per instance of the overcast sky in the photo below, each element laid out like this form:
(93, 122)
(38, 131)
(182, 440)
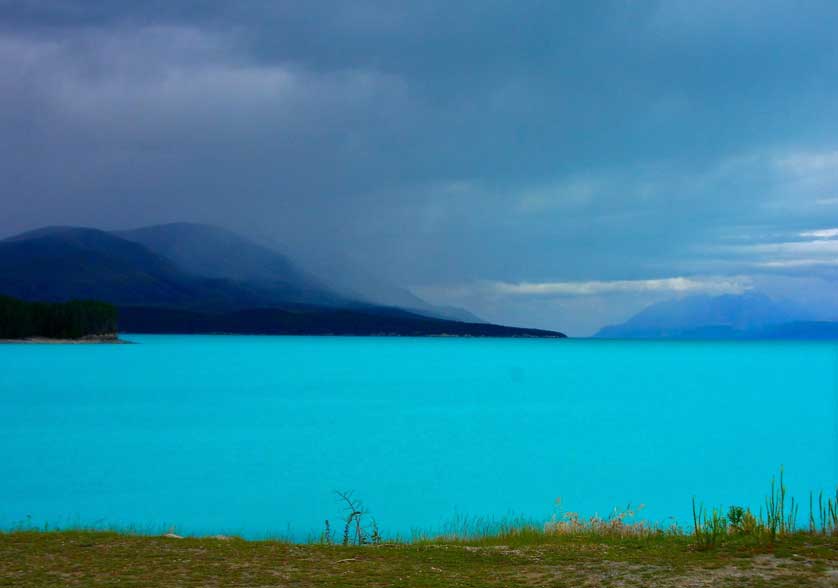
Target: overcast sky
(553, 164)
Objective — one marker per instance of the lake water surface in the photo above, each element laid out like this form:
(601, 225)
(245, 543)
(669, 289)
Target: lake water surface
(252, 435)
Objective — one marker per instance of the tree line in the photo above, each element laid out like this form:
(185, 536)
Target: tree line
(21, 319)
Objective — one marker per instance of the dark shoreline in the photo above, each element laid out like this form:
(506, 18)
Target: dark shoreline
(311, 321)
(87, 340)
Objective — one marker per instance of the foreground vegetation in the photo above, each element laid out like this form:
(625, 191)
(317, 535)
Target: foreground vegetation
(99, 559)
(20, 319)
(724, 547)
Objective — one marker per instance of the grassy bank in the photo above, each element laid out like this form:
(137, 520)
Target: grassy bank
(733, 546)
(39, 559)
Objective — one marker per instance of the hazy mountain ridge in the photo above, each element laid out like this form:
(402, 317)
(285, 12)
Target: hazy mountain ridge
(343, 274)
(302, 320)
(265, 293)
(216, 252)
(62, 263)
(751, 315)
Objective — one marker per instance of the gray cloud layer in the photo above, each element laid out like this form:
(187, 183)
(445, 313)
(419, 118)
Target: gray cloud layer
(448, 147)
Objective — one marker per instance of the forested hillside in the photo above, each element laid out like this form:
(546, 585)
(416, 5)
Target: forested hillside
(63, 320)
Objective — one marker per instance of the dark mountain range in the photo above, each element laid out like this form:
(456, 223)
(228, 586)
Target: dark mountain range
(312, 320)
(218, 253)
(746, 316)
(64, 263)
(158, 293)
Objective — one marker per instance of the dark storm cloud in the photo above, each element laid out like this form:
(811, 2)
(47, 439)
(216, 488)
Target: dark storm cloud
(453, 148)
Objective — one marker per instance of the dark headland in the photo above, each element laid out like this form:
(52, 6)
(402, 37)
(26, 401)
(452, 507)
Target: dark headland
(312, 320)
(190, 279)
(76, 321)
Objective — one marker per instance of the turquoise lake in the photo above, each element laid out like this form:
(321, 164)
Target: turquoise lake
(252, 435)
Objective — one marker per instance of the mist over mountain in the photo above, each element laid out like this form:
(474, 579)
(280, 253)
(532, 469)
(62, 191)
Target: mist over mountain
(749, 315)
(217, 253)
(352, 280)
(326, 279)
(604, 154)
(195, 278)
(64, 263)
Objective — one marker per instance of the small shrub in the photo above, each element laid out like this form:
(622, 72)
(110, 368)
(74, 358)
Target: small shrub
(750, 526)
(735, 516)
(709, 526)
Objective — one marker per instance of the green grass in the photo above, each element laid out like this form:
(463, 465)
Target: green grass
(100, 559)
(732, 547)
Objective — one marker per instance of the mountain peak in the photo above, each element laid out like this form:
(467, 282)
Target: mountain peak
(211, 251)
(56, 230)
(693, 315)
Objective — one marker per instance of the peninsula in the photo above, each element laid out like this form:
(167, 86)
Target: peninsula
(76, 321)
